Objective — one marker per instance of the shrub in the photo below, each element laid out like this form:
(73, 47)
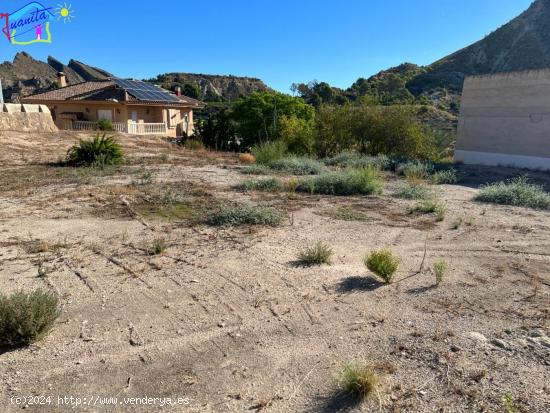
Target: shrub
(104, 125)
(517, 192)
(318, 254)
(100, 151)
(431, 206)
(26, 317)
(247, 158)
(353, 181)
(446, 176)
(193, 144)
(256, 170)
(159, 246)
(414, 170)
(411, 190)
(268, 185)
(359, 380)
(383, 264)
(243, 214)
(347, 213)
(298, 165)
(268, 152)
(355, 159)
(297, 134)
(440, 269)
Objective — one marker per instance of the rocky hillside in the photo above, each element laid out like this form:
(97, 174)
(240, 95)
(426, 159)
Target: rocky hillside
(211, 88)
(521, 44)
(26, 75)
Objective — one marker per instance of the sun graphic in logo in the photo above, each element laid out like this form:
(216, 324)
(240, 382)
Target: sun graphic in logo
(64, 12)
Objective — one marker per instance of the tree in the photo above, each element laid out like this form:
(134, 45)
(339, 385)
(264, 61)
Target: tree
(257, 116)
(217, 131)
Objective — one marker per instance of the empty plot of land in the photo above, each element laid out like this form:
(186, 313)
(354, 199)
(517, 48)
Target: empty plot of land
(227, 318)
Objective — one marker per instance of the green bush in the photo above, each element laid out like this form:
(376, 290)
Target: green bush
(383, 264)
(159, 246)
(359, 380)
(352, 181)
(193, 144)
(318, 254)
(411, 190)
(267, 185)
(100, 151)
(243, 214)
(517, 192)
(269, 152)
(104, 125)
(446, 176)
(298, 166)
(414, 170)
(26, 317)
(297, 134)
(440, 269)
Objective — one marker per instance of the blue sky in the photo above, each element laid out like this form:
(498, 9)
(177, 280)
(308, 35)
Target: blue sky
(278, 41)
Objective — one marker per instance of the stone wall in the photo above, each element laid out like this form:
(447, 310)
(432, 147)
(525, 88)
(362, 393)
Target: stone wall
(26, 118)
(505, 120)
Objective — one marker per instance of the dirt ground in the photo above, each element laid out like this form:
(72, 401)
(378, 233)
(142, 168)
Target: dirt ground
(225, 317)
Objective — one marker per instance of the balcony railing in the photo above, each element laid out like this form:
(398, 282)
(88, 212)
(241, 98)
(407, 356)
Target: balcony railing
(122, 127)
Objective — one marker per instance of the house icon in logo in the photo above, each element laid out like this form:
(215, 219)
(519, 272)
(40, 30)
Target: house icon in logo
(30, 24)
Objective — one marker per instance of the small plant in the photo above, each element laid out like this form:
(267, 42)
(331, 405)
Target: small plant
(318, 254)
(297, 166)
(26, 317)
(517, 192)
(431, 206)
(159, 246)
(509, 405)
(414, 171)
(267, 185)
(347, 213)
(243, 214)
(291, 185)
(357, 160)
(456, 224)
(440, 269)
(359, 380)
(256, 170)
(412, 190)
(352, 181)
(447, 176)
(383, 264)
(246, 158)
(193, 144)
(146, 178)
(100, 151)
(269, 152)
(104, 125)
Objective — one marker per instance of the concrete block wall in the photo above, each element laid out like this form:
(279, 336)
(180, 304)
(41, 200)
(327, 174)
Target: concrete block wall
(505, 120)
(26, 118)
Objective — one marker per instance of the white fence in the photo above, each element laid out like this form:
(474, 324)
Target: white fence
(131, 128)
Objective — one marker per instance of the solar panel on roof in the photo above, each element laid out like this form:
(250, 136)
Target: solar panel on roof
(145, 91)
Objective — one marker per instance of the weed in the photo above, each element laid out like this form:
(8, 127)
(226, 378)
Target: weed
(359, 380)
(291, 185)
(446, 176)
(353, 181)
(457, 224)
(318, 254)
(297, 166)
(246, 158)
(383, 264)
(440, 269)
(256, 170)
(243, 214)
(98, 152)
(104, 125)
(509, 405)
(159, 246)
(414, 171)
(355, 160)
(412, 190)
(267, 185)
(193, 144)
(431, 206)
(146, 178)
(516, 192)
(26, 317)
(269, 152)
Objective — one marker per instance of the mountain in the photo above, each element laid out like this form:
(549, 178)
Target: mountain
(26, 75)
(211, 88)
(521, 44)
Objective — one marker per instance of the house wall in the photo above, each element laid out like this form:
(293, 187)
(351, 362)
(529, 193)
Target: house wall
(505, 120)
